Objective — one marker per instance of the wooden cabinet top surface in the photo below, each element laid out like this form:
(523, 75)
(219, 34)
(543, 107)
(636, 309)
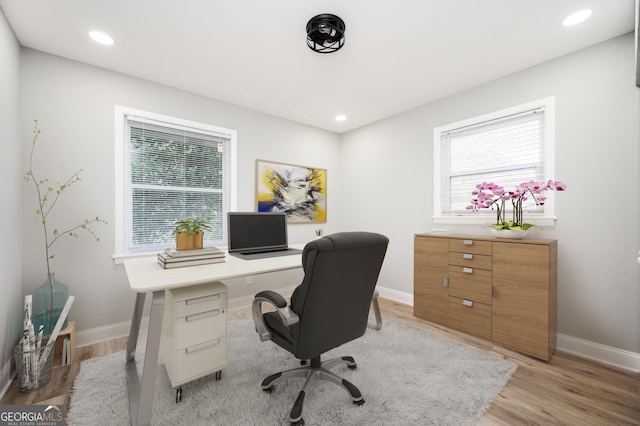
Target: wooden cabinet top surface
(488, 238)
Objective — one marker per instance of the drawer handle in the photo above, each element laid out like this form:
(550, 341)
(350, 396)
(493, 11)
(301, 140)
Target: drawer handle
(445, 282)
(468, 242)
(201, 346)
(202, 299)
(467, 256)
(202, 315)
(468, 303)
(467, 270)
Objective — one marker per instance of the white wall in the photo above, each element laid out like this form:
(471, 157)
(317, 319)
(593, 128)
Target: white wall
(74, 104)
(597, 155)
(379, 177)
(11, 212)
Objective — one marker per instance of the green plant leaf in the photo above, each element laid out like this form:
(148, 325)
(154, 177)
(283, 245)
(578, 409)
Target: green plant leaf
(194, 225)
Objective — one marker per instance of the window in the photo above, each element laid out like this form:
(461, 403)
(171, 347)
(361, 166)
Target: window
(170, 169)
(506, 147)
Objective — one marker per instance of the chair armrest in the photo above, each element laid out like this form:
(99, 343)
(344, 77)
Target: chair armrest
(288, 316)
(272, 297)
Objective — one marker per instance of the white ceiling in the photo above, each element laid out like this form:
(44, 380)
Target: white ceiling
(253, 53)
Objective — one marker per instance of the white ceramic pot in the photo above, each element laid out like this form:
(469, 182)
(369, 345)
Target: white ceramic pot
(508, 233)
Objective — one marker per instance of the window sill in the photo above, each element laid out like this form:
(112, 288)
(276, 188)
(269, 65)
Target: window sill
(489, 220)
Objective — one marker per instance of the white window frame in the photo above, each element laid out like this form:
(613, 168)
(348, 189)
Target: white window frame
(121, 170)
(547, 218)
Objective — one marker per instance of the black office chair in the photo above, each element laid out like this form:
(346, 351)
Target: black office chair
(329, 308)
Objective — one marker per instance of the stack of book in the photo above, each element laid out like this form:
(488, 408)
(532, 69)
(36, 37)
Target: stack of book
(171, 258)
(66, 352)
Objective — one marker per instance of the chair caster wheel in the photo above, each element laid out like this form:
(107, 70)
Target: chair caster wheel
(218, 375)
(352, 367)
(298, 423)
(359, 402)
(268, 390)
(178, 395)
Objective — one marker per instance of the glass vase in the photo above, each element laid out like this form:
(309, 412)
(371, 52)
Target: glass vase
(48, 301)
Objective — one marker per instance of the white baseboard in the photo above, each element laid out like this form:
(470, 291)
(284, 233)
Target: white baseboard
(107, 332)
(607, 355)
(115, 331)
(395, 295)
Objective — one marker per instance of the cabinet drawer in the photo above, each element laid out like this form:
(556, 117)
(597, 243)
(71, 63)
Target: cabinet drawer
(470, 283)
(200, 360)
(201, 327)
(470, 317)
(470, 246)
(470, 260)
(200, 304)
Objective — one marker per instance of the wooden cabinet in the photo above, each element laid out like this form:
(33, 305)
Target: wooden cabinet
(194, 332)
(524, 300)
(431, 268)
(499, 290)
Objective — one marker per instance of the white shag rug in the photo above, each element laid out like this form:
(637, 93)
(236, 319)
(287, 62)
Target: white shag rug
(407, 376)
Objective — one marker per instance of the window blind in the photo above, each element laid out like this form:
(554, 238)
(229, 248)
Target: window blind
(175, 172)
(506, 151)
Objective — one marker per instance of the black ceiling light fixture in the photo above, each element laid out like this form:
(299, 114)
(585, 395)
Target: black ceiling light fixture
(325, 33)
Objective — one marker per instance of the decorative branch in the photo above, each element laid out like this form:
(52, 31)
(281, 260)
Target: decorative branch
(46, 205)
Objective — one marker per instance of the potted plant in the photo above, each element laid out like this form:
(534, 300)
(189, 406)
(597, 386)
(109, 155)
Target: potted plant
(190, 232)
(489, 195)
(50, 297)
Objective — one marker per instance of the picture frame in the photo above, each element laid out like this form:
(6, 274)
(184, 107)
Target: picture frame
(299, 191)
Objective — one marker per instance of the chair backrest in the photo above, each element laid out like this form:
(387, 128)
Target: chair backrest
(340, 275)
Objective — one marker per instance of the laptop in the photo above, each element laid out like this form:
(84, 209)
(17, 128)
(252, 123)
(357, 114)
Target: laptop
(254, 235)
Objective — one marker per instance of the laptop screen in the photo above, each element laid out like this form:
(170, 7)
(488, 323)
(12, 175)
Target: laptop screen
(256, 231)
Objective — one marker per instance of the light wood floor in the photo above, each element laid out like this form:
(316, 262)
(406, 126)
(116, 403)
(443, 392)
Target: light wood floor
(565, 391)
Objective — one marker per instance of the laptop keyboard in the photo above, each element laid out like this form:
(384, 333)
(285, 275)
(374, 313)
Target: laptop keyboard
(260, 254)
(263, 251)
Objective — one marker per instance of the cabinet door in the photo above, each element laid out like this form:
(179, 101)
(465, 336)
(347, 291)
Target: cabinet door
(430, 277)
(523, 311)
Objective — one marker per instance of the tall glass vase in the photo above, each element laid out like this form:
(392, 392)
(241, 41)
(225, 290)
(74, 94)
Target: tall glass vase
(48, 301)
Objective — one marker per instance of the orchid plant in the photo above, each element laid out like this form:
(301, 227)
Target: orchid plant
(492, 196)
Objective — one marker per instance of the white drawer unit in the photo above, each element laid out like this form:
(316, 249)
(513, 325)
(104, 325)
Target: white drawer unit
(194, 333)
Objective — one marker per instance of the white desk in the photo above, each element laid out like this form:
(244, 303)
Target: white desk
(145, 275)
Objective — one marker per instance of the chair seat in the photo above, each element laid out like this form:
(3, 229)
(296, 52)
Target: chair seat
(280, 333)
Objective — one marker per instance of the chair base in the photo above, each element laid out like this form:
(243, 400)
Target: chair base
(317, 370)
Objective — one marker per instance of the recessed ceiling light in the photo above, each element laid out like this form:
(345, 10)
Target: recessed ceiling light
(576, 18)
(101, 38)
(341, 117)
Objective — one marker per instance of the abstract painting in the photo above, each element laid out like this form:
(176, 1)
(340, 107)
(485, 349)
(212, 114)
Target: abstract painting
(299, 191)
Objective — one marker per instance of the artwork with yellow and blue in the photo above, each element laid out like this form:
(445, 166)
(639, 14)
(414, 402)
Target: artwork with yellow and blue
(299, 191)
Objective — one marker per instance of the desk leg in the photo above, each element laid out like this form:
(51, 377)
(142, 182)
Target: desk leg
(134, 331)
(141, 392)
